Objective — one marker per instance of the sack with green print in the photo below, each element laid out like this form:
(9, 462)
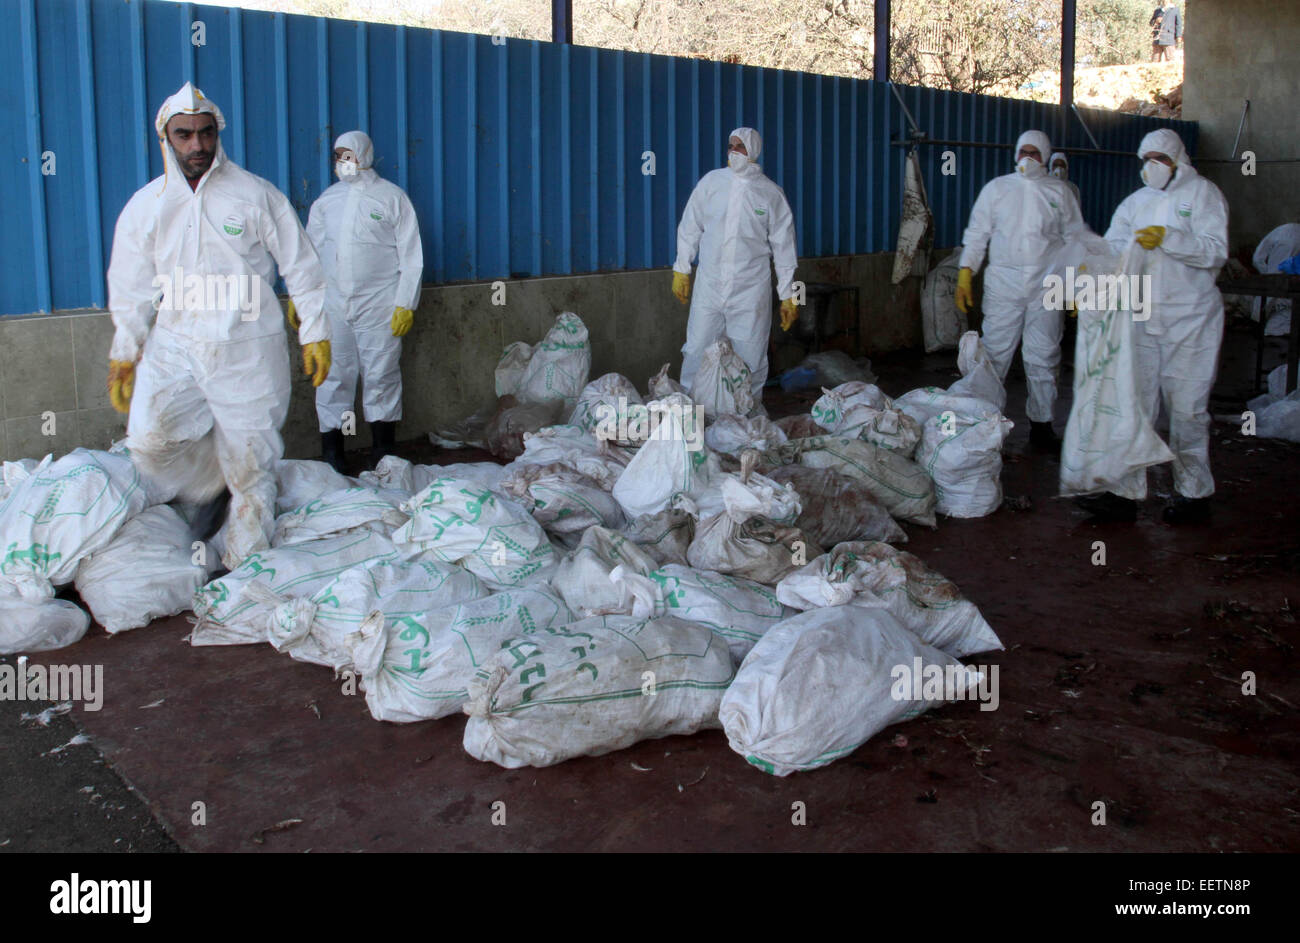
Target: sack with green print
(339, 512)
(744, 494)
(900, 484)
(824, 682)
(418, 666)
(583, 576)
(736, 609)
(875, 575)
(62, 511)
(665, 537)
(595, 686)
(963, 456)
(555, 369)
(459, 521)
(317, 629)
(732, 435)
(862, 410)
(225, 613)
(563, 500)
(55, 515)
(722, 384)
(608, 408)
(602, 461)
(673, 462)
(844, 409)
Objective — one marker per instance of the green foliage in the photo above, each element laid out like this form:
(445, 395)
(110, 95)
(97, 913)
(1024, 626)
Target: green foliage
(1113, 32)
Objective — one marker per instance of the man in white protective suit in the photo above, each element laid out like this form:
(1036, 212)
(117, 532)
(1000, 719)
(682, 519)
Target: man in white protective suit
(737, 219)
(1060, 169)
(199, 356)
(366, 233)
(1022, 219)
(1179, 221)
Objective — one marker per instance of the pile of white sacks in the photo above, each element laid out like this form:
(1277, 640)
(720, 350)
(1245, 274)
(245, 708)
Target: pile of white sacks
(645, 569)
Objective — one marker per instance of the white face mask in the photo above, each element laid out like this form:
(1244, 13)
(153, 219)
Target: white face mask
(737, 161)
(1156, 174)
(1058, 173)
(1030, 167)
(345, 169)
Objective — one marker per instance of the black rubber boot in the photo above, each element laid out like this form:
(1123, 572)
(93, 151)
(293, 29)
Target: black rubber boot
(1187, 511)
(1042, 438)
(331, 449)
(383, 436)
(1108, 507)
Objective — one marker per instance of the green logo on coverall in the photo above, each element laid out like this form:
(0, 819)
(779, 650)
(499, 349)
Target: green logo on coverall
(758, 212)
(374, 215)
(233, 225)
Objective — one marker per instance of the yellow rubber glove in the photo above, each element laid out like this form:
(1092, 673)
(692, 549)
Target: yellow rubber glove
(963, 298)
(403, 318)
(789, 314)
(1149, 237)
(121, 384)
(316, 361)
(681, 287)
(291, 315)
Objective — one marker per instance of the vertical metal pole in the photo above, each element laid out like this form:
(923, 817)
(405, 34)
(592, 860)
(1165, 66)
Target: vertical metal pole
(880, 69)
(562, 21)
(1241, 124)
(1067, 61)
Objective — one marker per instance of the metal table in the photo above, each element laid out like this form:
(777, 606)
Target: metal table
(1271, 286)
(816, 309)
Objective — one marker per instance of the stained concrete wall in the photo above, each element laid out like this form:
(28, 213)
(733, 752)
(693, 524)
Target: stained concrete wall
(1237, 50)
(58, 363)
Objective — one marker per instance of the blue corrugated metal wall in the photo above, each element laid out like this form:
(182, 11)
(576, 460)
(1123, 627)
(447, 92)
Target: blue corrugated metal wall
(521, 159)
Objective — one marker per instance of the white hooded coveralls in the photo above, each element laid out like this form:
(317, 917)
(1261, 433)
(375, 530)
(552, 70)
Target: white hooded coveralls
(212, 384)
(737, 222)
(366, 233)
(1022, 222)
(1178, 345)
(1065, 159)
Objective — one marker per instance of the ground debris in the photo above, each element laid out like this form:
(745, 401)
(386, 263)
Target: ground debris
(259, 837)
(80, 740)
(44, 717)
(681, 787)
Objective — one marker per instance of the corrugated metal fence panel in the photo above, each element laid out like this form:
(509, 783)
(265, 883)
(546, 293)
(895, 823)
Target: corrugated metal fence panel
(522, 158)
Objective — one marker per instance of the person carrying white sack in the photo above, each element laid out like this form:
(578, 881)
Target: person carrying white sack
(1179, 221)
(197, 359)
(1022, 219)
(365, 230)
(737, 219)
